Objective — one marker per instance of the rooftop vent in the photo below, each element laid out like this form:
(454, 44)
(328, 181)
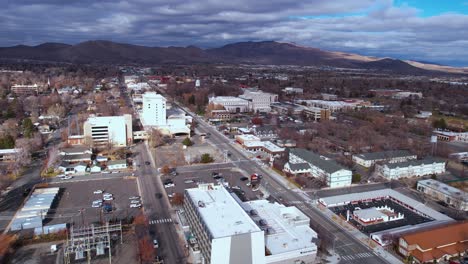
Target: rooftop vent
(201, 204)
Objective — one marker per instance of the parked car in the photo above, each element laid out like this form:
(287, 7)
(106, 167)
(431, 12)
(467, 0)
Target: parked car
(243, 178)
(147, 163)
(135, 201)
(107, 208)
(137, 205)
(155, 243)
(66, 177)
(98, 191)
(170, 195)
(168, 185)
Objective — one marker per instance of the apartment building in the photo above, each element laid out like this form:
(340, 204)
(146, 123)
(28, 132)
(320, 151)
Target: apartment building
(26, 89)
(392, 156)
(412, 168)
(103, 131)
(302, 161)
(445, 193)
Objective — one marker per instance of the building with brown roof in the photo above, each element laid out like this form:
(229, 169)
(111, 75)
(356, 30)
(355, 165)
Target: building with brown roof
(435, 244)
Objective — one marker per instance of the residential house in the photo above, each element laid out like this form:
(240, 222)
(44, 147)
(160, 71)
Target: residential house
(412, 168)
(116, 164)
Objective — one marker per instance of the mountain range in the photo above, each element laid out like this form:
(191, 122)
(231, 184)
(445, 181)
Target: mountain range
(264, 52)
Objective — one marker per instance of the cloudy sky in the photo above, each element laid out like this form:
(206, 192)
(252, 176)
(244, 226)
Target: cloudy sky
(425, 30)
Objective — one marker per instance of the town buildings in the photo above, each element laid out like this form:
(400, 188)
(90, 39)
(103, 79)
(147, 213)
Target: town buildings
(253, 143)
(445, 193)
(435, 244)
(451, 136)
(231, 103)
(369, 159)
(405, 94)
(9, 154)
(76, 154)
(26, 89)
(293, 90)
(156, 113)
(230, 231)
(411, 168)
(259, 101)
(302, 161)
(102, 131)
(225, 233)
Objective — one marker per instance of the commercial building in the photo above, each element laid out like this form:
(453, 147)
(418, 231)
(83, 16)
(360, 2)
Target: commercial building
(451, 136)
(288, 236)
(224, 231)
(405, 94)
(157, 114)
(317, 113)
(335, 106)
(154, 110)
(8, 154)
(293, 90)
(259, 101)
(436, 244)
(254, 144)
(412, 168)
(231, 103)
(220, 115)
(27, 89)
(369, 159)
(445, 193)
(230, 231)
(103, 131)
(76, 154)
(302, 161)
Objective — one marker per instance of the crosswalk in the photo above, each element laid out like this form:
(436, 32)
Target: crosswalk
(160, 221)
(357, 256)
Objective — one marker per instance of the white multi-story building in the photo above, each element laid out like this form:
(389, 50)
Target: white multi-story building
(231, 103)
(25, 89)
(443, 192)
(109, 130)
(293, 90)
(229, 231)
(302, 161)
(154, 109)
(412, 168)
(156, 113)
(288, 236)
(369, 159)
(224, 231)
(259, 101)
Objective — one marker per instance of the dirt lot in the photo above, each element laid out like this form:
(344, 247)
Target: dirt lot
(74, 205)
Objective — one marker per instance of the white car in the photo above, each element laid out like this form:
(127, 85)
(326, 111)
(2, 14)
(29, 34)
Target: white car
(108, 198)
(133, 205)
(98, 191)
(67, 177)
(168, 185)
(107, 194)
(170, 195)
(135, 201)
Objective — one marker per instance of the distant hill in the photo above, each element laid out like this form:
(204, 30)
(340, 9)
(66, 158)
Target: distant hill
(265, 52)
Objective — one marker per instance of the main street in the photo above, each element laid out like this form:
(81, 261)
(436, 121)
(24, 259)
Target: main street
(347, 246)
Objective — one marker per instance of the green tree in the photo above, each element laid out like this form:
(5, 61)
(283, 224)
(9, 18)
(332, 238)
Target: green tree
(28, 127)
(7, 142)
(206, 158)
(356, 177)
(187, 142)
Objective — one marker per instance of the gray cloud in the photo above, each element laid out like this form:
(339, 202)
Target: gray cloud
(371, 27)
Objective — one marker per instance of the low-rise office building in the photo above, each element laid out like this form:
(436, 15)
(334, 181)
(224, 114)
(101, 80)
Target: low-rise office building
(293, 90)
(103, 131)
(230, 231)
(26, 89)
(259, 101)
(412, 168)
(445, 193)
(451, 136)
(434, 245)
(302, 161)
(224, 231)
(369, 159)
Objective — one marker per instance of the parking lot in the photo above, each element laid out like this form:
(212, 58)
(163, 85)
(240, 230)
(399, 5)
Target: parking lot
(193, 177)
(75, 202)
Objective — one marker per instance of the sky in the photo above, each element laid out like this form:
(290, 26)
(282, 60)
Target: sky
(424, 30)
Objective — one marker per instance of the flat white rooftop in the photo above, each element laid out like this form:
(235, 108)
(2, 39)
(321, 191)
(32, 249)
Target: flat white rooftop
(288, 228)
(446, 189)
(222, 215)
(338, 200)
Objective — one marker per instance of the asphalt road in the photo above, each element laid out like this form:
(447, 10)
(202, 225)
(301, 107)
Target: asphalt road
(347, 246)
(158, 208)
